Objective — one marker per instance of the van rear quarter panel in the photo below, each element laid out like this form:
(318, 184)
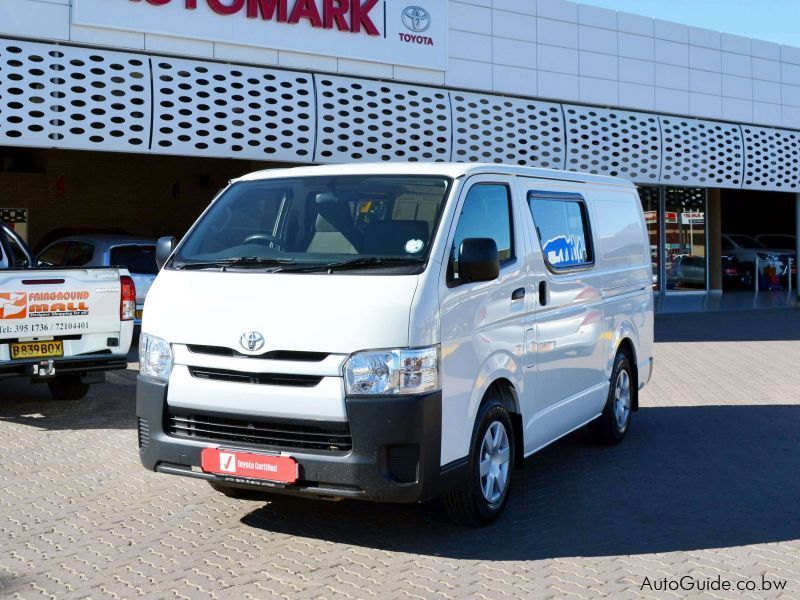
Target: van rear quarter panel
(623, 255)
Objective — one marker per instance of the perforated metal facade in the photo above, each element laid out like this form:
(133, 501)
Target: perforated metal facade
(84, 98)
(613, 142)
(701, 153)
(772, 159)
(361, 120)
(233, 111)
(507, 130)
(69, 97)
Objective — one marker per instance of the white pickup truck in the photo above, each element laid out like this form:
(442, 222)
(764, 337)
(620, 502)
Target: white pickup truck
(65, 327)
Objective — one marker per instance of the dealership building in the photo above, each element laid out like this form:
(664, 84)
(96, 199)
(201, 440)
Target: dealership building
(131, 114)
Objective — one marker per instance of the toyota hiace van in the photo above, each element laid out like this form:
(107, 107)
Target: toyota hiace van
(395, 332)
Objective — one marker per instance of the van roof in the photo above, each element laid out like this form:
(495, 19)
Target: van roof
(453, 170)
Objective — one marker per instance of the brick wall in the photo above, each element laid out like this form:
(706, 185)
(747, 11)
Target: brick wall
(145, 195)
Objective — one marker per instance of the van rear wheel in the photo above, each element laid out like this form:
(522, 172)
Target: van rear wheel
(611, 426)
(482, 498)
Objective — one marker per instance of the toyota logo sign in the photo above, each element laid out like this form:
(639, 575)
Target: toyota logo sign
(416, 19)
(252, 341)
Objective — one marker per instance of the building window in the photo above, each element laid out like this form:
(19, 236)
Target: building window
(649, 198)
(685, 239)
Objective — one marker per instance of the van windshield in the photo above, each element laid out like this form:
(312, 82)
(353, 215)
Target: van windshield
(318, 223)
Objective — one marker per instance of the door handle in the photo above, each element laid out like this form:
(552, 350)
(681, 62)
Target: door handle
(518, 294)
(542, 293)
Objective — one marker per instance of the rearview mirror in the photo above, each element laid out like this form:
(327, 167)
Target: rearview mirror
(478, 260)
(164, 249)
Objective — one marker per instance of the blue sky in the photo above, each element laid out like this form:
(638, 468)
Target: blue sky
(771, 20)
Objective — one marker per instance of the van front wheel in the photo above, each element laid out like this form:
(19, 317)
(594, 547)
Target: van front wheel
(482, 498)
(611, 426)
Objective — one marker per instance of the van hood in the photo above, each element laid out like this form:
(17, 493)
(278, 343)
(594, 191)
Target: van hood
(336, 314)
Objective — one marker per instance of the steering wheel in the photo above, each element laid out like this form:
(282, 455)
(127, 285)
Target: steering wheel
(263, 238)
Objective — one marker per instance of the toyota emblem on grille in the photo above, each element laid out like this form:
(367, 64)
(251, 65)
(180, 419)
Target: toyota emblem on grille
(416, 19)
(252, 341)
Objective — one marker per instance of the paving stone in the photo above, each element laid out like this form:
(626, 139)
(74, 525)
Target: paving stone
(705, 485)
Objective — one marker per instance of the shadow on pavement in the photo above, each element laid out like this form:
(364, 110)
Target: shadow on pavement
(109, 405)
(686, 478)
(780, 324)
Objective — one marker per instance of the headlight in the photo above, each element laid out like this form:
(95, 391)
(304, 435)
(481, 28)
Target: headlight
(155, 357)
(387, 372)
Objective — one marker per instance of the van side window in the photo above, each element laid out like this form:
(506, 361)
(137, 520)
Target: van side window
(486, 213)
(562, 225)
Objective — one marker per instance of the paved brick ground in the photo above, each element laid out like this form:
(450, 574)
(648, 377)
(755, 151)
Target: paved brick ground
(706, 485)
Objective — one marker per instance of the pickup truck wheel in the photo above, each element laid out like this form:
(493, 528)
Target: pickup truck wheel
(611, 426)
(237, 493)
(491, 462)
(68, 387)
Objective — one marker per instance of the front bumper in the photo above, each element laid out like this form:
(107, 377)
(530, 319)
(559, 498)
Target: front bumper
(72, 364)
(395, 456)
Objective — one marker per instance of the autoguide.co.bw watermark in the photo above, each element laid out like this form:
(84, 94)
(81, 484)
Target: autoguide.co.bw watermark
(690, 583)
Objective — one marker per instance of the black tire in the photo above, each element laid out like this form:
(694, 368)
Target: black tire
(68, 387)
(467, 504)
(238, 493)
(607, 429)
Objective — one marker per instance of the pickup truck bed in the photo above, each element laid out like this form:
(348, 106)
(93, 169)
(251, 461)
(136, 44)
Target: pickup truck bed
(65, 327)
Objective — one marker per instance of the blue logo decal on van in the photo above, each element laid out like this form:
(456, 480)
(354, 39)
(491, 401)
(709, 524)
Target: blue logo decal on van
(565, 251)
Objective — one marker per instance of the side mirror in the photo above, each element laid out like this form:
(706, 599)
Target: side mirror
(164, 249)
(478, 260)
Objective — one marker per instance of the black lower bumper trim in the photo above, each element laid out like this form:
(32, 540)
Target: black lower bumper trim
(62, 366)
(395, 455)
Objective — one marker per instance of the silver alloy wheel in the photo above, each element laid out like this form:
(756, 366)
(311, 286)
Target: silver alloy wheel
(495, 458)
(622, 399)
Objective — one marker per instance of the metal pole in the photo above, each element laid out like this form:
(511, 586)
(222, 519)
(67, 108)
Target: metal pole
(790, 275)
(755, 287)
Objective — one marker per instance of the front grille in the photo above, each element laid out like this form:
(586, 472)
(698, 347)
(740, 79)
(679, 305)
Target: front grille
(284, 379)
(327, 437)
(143, 430)
(289, 355)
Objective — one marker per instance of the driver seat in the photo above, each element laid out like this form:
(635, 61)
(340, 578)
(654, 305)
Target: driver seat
(329, 240)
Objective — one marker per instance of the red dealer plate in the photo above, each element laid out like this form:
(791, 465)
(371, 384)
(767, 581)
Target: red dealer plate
(232, 463)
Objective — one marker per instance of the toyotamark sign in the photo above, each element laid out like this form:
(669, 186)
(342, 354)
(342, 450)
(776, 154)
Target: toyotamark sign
(402, 32)
(344, 15)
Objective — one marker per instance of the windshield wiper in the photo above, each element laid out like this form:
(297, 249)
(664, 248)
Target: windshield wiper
(361, 263)
(239, 261)
(285, 265)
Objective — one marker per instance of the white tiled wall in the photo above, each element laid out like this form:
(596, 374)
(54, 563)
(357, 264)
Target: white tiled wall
(554, 49)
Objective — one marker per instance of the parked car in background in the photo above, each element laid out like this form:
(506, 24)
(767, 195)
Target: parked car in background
(782, 243)
(138, 255)
(63, 232)
(687, 271)
(734, 275)
(60, 326)
(747, 249)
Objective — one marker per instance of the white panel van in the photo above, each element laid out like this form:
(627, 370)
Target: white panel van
(395, 332)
